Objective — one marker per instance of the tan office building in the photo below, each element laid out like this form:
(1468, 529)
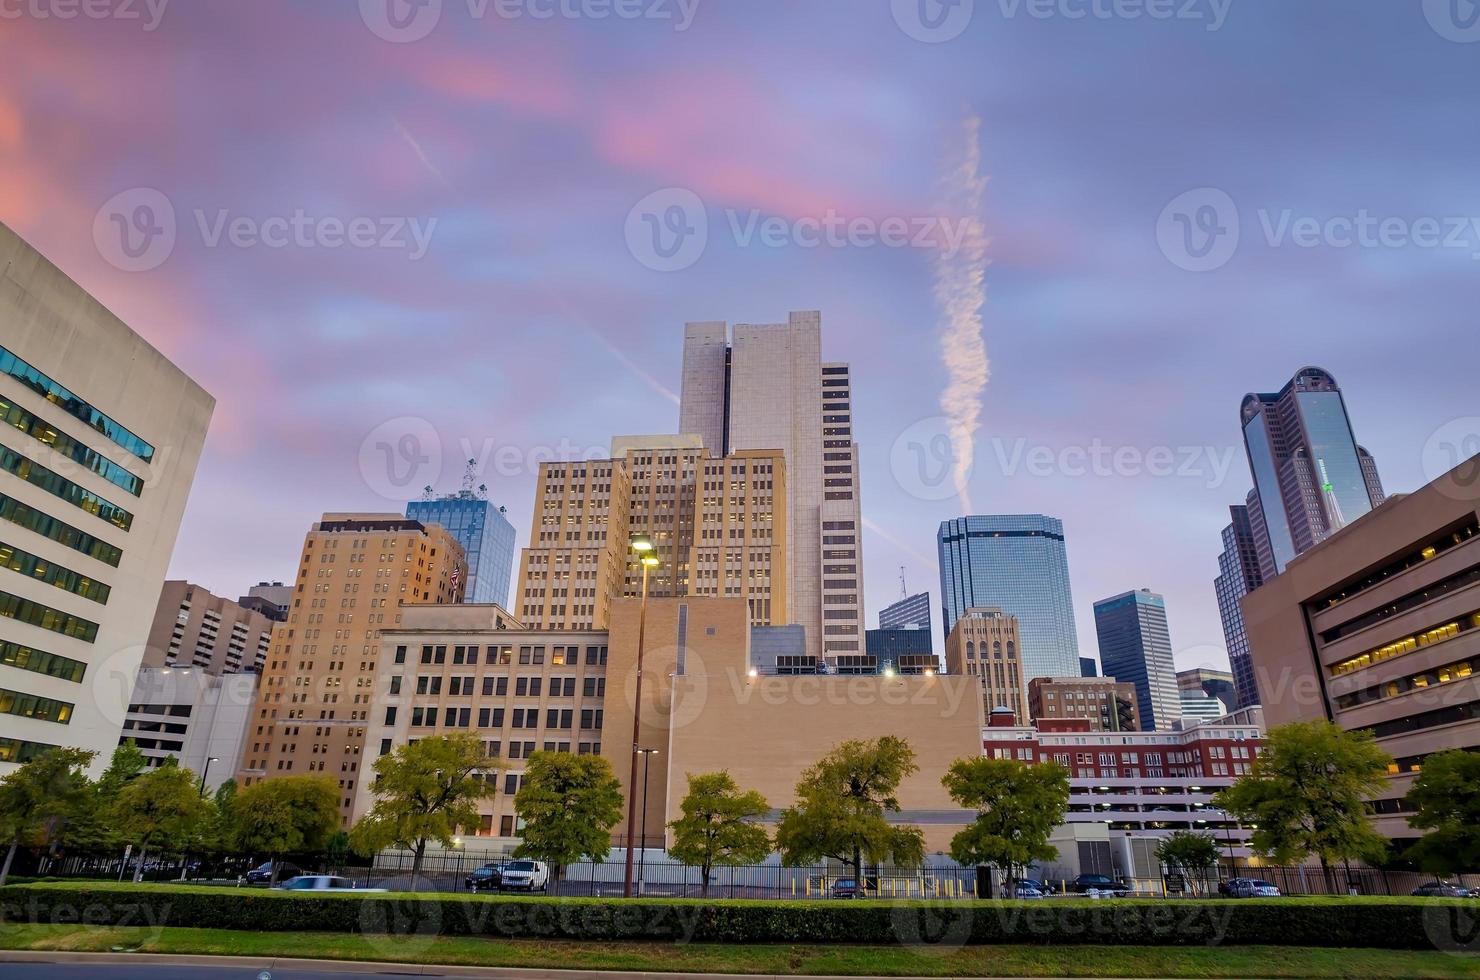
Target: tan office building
(356, 573)
(1378, 628)
(718, 526)
(984, 644)
(1108, 705)
(193, 628)
(522, 691)
(97, 456)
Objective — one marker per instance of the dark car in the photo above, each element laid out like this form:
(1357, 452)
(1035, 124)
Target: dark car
(1441, 889)
(1099, 884)
(846, 888)
(487, 876)
(262, 874)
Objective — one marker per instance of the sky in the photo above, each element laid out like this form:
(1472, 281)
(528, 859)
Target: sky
(1058, 241)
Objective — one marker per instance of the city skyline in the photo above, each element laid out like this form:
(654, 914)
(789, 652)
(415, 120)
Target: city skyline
(1078, 291)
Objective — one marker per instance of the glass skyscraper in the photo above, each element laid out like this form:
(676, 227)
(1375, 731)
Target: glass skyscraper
(1017, 563)
(486, 536)
(1238, 575)
(1136, 648)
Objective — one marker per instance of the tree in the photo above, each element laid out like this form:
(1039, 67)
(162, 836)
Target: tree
(1017, 806)
(37, 798)
(1446, 802)
(840, 805)
(1308, 792)
(287, 815)
(424, 792)
(93, 830)
(161, 806)
(717, 826)
(569, 804)
(1191, 852)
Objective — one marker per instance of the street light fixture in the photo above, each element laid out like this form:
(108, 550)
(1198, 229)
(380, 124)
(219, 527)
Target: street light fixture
(643, 547)
(209, 759)
(647, 755)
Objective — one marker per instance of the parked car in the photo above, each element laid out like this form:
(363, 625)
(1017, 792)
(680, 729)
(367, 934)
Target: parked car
(1248, 888)
(323, 883)
(262, 874)
(1026, 888)
(1441, 889)
(1098, 885)
(487, 876)
(846, 888)
(526, 876)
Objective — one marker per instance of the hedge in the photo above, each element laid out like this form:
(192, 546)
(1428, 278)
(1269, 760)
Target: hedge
(1374, 922)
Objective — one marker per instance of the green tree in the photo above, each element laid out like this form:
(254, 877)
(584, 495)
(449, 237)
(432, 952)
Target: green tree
(39, 797)
(287, 815)
(569, 804)
(840, 805)
(1191, 853)
(717, 826)
(424, 792)
(93, 830)
(1307, 793)
(1446, 803)
(162, 806)
(1017, 806)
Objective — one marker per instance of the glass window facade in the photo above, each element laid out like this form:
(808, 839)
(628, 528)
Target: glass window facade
(487, 539)
(58, 395)
(1329, 439)
(1019, 564)
(26, 611)
(59, 531)
(1267, 486)
(38, 568)
(32, 706)
(1136, 648)
(39, 661)
(13, 415)
(54, 483)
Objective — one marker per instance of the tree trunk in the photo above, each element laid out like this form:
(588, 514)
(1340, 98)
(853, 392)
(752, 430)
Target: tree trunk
(416, 856)
(272, 879)
(139, 864)
(1326, 874)
(858, 868)
(9, 857)
(704, 870)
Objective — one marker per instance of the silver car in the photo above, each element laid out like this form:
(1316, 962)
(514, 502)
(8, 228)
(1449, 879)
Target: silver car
(1252, 888)
(323, 883)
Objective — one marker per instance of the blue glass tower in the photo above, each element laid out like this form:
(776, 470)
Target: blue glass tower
(1017, 563)
(487, 538)
(1136, 648)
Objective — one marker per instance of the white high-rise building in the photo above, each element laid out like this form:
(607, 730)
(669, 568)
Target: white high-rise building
(96, 461)
(765, 386)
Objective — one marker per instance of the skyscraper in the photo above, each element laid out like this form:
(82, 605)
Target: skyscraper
(984, 642)
(911, 612)
(1017, 563)
(1238, 575)
(766, 387)
(101, 439)
(486, 536)
(1136, 648)
(1310, 477)
(193, 628)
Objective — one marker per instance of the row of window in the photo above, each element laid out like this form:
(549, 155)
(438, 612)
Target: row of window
(58, 395)
(57, 485)
(41, 662)
(38, 568)
(1406, 645)
(26, 611)
(560, 656)
(59, 531)
(20, 751)
(1413, 682)
(72, 449)
(32, 706)
(555, 718)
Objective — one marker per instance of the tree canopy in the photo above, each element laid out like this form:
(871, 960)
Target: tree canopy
(288, 815)
(840, 808)
(1189, 852)
(40, 796)
(161, 806)
(1018, 806)
(569, 804)
(1446, 803)
(718, 825)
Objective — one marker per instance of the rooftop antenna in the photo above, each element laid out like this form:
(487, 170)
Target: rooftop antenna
(470, 474)
(904, 593)
(427, 493)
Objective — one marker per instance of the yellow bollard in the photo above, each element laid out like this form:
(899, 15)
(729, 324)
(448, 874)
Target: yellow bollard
(973, 888)
(793, 888)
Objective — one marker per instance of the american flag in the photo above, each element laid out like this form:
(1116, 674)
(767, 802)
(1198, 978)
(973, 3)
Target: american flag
(456, 577)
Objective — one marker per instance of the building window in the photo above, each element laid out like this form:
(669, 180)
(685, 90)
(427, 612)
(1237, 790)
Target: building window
(26, 611)
(31, 706)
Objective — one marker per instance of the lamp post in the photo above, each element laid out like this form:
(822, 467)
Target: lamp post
(647, 755)
(642, 546)
(209, 759)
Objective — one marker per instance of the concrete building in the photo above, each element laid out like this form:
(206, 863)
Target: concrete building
(1238, 575)
(271, 599)
(102, 439)
(985, 643)
(1018, 564)
(709, 702)
(1136, 647)
(188, 714)
(1197, 706)
(1106, 704)
(193, 628)
(718, 526)
(1213, 683)
(911, 612)
(1310, 477)
(1378, 629)
(766, 387)
(483, 531)
(356, 575)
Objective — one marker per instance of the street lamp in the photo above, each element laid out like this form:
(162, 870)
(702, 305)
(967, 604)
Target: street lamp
(209, 759)
(643, 547)
(647, 755)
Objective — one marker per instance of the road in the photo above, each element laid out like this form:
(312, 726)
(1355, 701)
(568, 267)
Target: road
(146, 971)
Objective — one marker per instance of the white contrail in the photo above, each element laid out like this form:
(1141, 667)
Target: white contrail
(960, 292)
(421, 155)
